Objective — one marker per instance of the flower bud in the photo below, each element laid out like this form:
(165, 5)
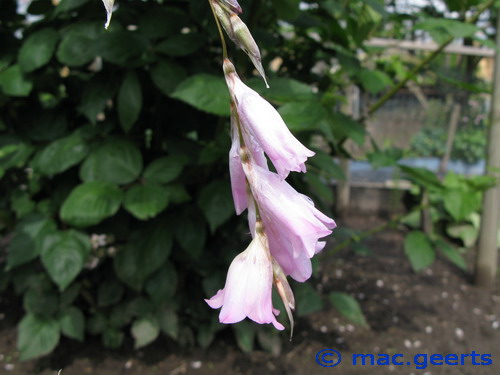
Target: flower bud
(233, 5)
(224, 19)
(246, 42)
(108, 4)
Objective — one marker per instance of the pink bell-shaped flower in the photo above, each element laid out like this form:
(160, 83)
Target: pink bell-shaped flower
(248, 288)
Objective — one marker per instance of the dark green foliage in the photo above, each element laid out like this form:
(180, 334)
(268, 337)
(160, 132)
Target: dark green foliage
(115, 205)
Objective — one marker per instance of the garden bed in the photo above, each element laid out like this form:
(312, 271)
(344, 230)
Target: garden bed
(436, 311)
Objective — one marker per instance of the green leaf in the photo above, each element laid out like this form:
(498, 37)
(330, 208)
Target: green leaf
(164, 170)
(302, 116)
(146, 201)
(308, 300)
(145, 253)
(115, 160)
(121, 47)
(90, 203)
(64, 255)
(145, 331)
(423, 177)
(67, 5)
(112, 338)
(190, 232)
(13, 82)
(162, 21)
(72, 323)
(320, 187)
(205, 92)
(169, 322)
(96, 324)
(109, 292)
(325, 163)
(95, 96)
(38, 49)
(60, 155)
(167, 75)
(129, 101)
(76, 49)
(460, 204)
(344, 126)
(374, 80)
(27, 240)
(181, 44)
(245, 335)
(419, 250)
(216, 203)
(161, 286)
(283, 90)
(450, 252)
(37, 336)
(348, 307)
(466, 232)
(40, 302)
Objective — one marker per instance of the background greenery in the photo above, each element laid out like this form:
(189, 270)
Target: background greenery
(116, 213)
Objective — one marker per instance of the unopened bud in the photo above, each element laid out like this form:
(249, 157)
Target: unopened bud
(285, 292)
(108, 4)
(233, 5)
(224, 18)
(246, 42)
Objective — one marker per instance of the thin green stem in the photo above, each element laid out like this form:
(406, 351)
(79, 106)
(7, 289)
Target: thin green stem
(221, 33)
(379, 103)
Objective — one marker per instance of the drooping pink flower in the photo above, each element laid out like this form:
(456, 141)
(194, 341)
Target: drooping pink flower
(292, 223)
(248, 288)
(262, 122)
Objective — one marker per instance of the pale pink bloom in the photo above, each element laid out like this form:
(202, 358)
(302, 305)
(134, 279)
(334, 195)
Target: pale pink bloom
(262, 122)
(292, 223)
(238, 179)
(248, 288)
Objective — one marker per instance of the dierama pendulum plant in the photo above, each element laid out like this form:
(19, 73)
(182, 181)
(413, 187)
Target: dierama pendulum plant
(285, 226)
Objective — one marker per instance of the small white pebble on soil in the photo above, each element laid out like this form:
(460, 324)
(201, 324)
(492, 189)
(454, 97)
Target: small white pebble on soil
(428, 272)
(428, 330)
(341, 329)
(380, 283)
(361, 296)
(339, 340)
(196, 364)
(495, 325)
(407, 344)
(338, 274)
(463, 288)
(350, 327)
(2, 357)
(323, 329)
(455, 305)
(459, 332)
(395, 319)
(392, 367)
(128, 364)
(8, 367)
(495, 298)
(476, 311)
(395, 287)
(385, 301)
(417, 344)
(427, 373)
(444, 295)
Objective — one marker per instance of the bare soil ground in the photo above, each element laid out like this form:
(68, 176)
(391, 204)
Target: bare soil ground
(437, 311)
